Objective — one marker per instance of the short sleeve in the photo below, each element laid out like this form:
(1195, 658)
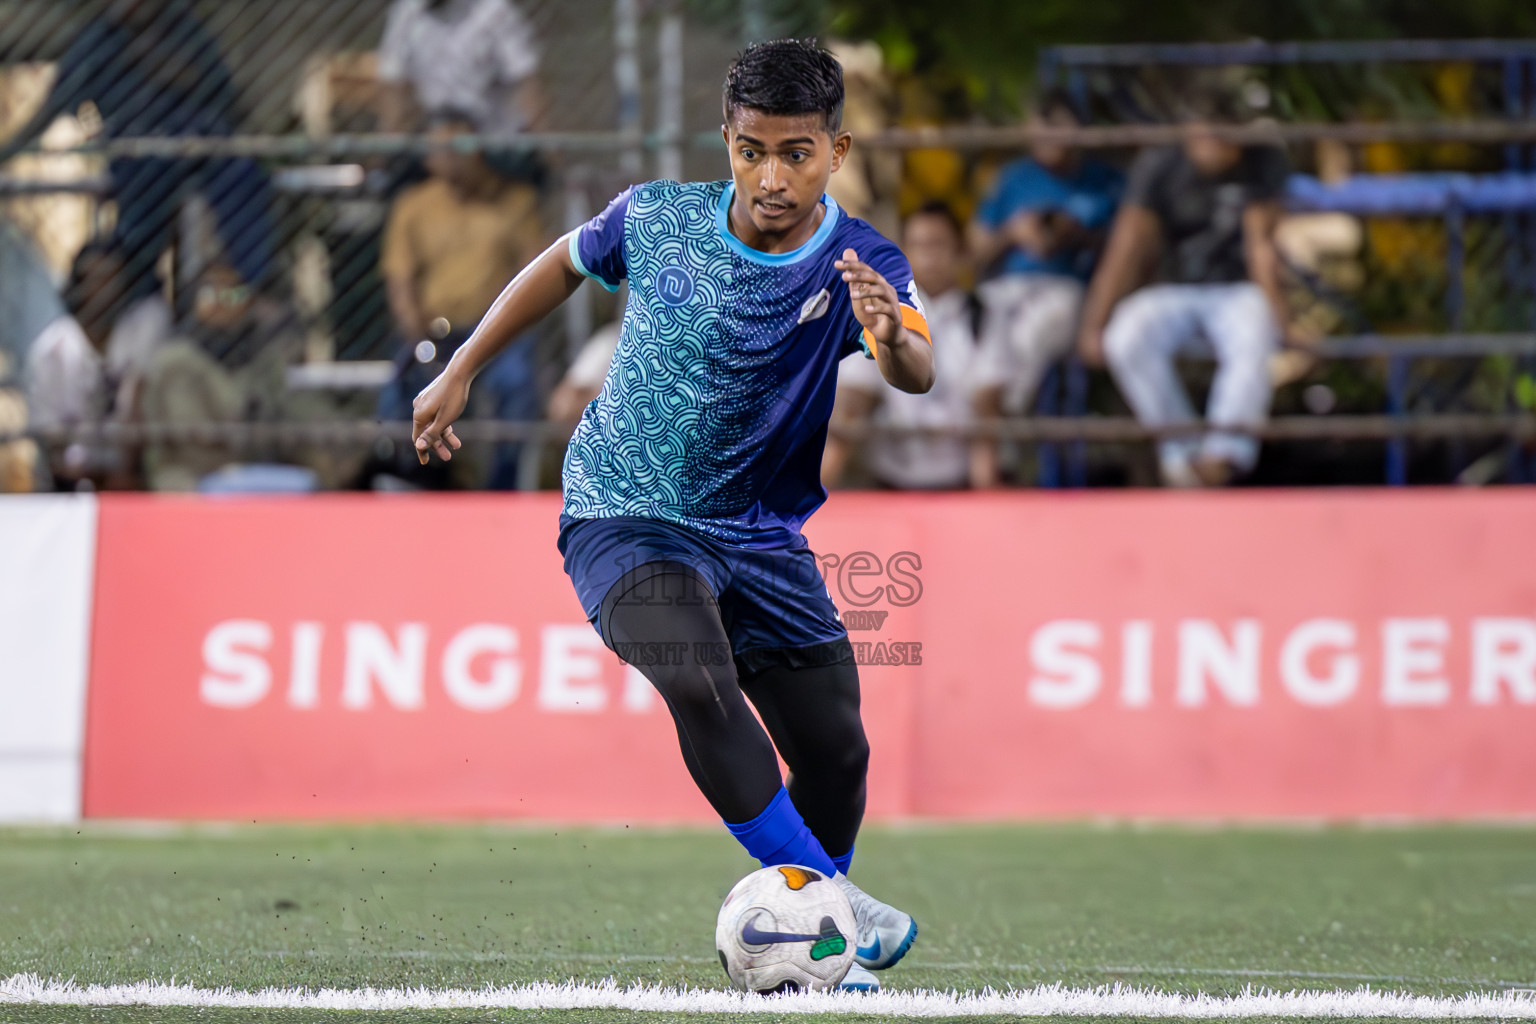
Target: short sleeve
(889, 263)
(1142, 187)
(1271, 168)
(63, 375)
(517, 54)
(597, 247)
(392, 48)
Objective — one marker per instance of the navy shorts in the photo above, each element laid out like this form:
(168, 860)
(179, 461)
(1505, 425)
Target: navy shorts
(769, 597)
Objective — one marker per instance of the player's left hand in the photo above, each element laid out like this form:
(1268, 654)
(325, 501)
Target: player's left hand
(433, 413)
(874, 299)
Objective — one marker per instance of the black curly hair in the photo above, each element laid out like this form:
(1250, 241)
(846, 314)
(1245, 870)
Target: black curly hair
(786, 76)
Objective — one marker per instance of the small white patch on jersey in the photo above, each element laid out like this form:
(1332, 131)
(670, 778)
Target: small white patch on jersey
(816, 306)
(917, 303)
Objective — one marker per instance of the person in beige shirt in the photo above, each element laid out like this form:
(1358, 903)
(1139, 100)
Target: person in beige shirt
(451, 245)
(456, 239)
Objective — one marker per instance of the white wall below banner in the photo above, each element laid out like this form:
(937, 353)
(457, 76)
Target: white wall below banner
(47, 562)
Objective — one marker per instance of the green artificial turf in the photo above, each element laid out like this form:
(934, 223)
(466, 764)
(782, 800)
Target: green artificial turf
(1434, 911)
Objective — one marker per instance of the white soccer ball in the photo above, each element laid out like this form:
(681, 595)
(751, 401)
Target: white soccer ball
(786, 929)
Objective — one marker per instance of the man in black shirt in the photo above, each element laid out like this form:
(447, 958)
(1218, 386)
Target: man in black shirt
(1210, 208)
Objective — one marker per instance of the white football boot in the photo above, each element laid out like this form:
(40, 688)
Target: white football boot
(858, 979)
(885, 933)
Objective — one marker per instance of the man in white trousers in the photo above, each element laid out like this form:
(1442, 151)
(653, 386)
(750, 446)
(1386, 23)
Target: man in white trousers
(1211, 208)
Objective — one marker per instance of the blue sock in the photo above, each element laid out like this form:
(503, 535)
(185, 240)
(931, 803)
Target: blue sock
(843, 861)
(779, 836)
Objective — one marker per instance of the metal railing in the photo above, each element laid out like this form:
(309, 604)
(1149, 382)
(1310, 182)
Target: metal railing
(294, 111)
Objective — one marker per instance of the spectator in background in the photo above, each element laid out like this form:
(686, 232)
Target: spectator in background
(478, 57)
(151, 68)
(88, 363)
(934, 244)
(142, 326)
(66, 378)
(1211, 207)
(227, 362)
(120, 331)
(1040, 229)
(451, 245)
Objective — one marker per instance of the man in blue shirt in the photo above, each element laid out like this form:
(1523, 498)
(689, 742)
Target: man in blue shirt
(1038, 230)
(691, 473)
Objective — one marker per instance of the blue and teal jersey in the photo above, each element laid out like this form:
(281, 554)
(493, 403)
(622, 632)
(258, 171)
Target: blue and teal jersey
(714, 411)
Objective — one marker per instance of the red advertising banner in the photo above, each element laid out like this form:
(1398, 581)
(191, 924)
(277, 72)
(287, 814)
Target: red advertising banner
(1238, 654)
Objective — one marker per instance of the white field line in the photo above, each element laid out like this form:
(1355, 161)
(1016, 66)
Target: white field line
(1045, 1000)
(521, 956)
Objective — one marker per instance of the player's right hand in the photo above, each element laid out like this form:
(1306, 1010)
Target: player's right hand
(433, 413)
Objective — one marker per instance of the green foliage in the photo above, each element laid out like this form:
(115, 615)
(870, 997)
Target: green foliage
(990, 46)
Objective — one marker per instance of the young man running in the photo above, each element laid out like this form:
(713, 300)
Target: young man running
(690, 475)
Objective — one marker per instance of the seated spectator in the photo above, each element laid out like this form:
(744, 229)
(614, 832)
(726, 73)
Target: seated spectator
(1040, 228)
(935, 245)
(66, 378)
(478, 57)
(452, 243)
(1211, 207)
(88, 363)
(139, 331)
(226, 363)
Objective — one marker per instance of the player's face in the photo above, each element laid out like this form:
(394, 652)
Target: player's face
(781, 164)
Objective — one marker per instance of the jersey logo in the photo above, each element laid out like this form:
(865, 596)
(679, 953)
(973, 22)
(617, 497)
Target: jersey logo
(815, 307)
(674, 286)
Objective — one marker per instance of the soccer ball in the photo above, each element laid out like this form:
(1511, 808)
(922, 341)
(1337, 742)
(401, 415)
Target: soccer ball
(785, 929)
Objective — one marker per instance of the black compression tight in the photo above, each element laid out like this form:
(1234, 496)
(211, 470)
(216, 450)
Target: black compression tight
(663, 619)
(812, 713)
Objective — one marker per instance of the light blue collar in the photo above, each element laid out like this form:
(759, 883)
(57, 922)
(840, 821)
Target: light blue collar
(773, 259)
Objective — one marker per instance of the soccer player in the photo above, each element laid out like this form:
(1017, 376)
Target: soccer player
(691, 473)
